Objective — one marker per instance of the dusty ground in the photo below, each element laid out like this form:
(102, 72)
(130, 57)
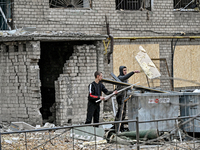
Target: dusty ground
(62, 140)
(40, 140)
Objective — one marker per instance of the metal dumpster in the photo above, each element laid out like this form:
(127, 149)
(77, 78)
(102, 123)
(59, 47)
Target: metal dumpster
(151, 106)
(189, 106)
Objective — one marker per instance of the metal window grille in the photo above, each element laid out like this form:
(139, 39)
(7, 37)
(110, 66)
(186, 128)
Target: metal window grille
(6, 6)
(133, 4)
(70, 3)
(186, 4)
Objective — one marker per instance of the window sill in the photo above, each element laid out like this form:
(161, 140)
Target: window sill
(185, 10)
(71, 9)
(130, 11)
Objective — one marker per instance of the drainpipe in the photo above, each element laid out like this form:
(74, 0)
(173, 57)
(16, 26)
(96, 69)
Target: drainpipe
(111, 40)
(173, 47)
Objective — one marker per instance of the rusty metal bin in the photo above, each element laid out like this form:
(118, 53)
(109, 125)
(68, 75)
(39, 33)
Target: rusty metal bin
(189, 106)
(151, 106)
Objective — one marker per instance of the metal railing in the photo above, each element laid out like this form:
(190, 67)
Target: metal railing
(47, 137)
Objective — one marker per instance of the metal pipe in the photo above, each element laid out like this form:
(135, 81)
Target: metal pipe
(137, 133)
(25, 141)
(193, 134)
(95, 138)
(0, 141)
(166, 119)
(157, 37)
(179, 131)
(73, 137)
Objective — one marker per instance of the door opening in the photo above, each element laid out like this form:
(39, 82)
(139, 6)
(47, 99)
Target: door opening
(52, 60)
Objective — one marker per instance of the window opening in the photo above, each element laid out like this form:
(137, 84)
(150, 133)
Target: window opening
(186, 5)
(70, 4)
(133, 4)
(5, 14)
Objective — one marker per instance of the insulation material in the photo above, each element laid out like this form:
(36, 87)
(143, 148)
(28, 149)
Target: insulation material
(186, 65)
(146, 64)
(124, 55)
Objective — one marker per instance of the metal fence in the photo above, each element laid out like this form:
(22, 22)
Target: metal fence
(63, 138)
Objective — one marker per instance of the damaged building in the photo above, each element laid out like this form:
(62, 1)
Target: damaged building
(45, 73)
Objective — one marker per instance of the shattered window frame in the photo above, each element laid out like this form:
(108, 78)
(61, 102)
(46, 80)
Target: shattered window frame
(133, 5)
(71, 4)
(186, 5)
(6, 6)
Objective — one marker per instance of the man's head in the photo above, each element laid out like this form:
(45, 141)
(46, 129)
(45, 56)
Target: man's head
(98, 75)
(124, 70)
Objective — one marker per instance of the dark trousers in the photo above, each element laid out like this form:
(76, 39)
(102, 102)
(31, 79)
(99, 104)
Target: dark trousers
(119, 111)
(93, 110)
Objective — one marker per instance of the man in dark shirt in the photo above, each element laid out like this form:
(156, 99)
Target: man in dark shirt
(95, 89)
(123, 76)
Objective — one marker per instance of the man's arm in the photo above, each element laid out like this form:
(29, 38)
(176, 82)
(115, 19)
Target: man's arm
(106, 91)
(91, 93)
(125, 77)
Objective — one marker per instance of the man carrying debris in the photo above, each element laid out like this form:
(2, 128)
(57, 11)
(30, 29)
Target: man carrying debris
(95, 89)
(123, 76)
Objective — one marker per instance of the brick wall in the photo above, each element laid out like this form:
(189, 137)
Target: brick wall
(72, 86)
(20, 96)
(162, 20)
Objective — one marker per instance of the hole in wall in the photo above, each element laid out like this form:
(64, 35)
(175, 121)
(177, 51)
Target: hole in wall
(7, 48)
(24, 47)
(52, 60)
(15, 48)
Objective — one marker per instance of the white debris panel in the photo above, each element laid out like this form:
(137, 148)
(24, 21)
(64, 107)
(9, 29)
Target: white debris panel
(146, 64)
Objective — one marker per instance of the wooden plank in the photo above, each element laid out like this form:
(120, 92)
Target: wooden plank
(124, 55)
(137, 87)
(186, 65)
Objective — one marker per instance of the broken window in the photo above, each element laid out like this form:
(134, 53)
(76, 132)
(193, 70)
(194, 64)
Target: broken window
(70, 3)
(186, 5)
(5, 14)
(133, 4)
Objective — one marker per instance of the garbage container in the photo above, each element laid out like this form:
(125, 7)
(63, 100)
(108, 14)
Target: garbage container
(189, 106)
(151, 106)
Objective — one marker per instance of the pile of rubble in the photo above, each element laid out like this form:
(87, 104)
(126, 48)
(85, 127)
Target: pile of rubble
(86, 138)
(27, 31)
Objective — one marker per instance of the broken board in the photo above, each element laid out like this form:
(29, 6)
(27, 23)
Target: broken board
(124, 55)
(146, 64)
(137, 87)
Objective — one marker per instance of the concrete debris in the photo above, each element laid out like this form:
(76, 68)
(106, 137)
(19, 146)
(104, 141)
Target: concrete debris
(196, 91)
(107, 126)
(88, 133)
(49, 125)
(64, 140)
(93, 142)
(27, 31)
(8, 141)
(18, 126)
